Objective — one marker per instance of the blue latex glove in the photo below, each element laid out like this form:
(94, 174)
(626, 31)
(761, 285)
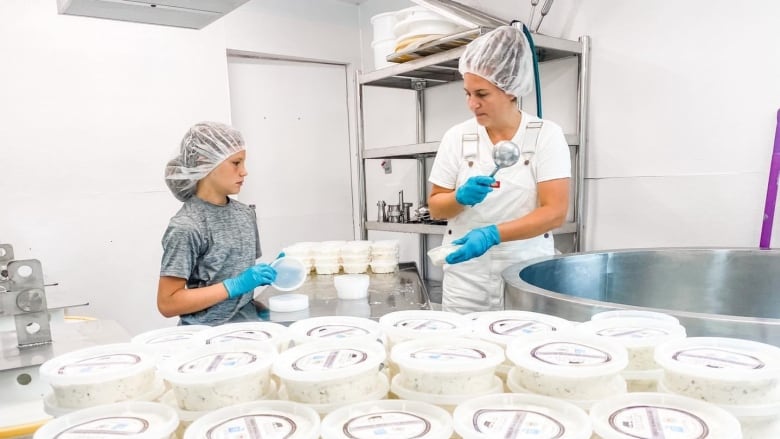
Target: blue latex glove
(474, 190)
(474, 244)
(251, 278)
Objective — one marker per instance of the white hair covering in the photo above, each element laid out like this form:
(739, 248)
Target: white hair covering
(203, 148)
(503, 57)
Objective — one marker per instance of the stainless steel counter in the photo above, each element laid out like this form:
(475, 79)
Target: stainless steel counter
(389, 292)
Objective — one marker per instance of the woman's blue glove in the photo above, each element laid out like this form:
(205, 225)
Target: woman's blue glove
(251, 278)
(474, 244)
(474, 190)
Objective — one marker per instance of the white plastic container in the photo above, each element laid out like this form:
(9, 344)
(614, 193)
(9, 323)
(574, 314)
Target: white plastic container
(635, 313)
(410, 324)
(721, 370)
(397, 419)
(382, 25)
(100, 375)
(165, 341)
(259, 419)
(438, 255)
(379, 392)
(382, 267)
(447, 365)
(356, 249)
(642, 380)
(447, 402)
(351, 286)
(385, 249)
(639, 336)
(327, 372)
(658, 415)
(218, 375)
(51, 407)
(520, 416)
(514, 386)
(291, 273)
(287, 303)
(133, 419)
(279, 335)
(303, 251)
(338, 328)
(569, 365)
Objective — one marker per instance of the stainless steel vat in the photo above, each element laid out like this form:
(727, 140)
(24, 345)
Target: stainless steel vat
(713, 292)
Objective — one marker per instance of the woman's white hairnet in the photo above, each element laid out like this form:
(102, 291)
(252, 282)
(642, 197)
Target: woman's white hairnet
(203, 148)
(503, 57)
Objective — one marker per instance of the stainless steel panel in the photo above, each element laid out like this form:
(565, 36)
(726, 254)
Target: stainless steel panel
(714, 292)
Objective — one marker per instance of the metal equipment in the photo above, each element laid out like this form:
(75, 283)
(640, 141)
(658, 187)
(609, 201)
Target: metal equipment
(23, 296)
(713, 292)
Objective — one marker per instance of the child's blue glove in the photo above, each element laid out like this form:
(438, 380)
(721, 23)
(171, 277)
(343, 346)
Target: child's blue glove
(474, 190)
(474, 244)
(251, 278)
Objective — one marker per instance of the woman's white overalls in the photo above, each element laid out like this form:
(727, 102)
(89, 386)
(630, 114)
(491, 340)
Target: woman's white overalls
(477, 285)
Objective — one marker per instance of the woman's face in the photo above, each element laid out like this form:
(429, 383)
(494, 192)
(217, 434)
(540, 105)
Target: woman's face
(228, 176)
(488, 102)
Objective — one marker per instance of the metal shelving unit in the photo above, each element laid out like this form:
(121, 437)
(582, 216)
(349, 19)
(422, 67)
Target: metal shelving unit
(429, 68)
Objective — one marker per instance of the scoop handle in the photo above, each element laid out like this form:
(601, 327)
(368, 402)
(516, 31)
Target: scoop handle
(494, 171)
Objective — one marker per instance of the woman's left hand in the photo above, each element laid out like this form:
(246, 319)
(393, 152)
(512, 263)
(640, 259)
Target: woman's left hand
(474, 244)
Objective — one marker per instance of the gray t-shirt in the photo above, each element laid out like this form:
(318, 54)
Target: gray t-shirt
(206, 243)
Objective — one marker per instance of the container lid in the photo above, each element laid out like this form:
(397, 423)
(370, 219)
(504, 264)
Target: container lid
(166, 337)
(97, 364)
(397, 387)
(403, 325)
(131, 419)
(504, 326)
(568, 355)
(635, 313)
(356, 247)
(726, 359)
(634, 332)
(288, 302)
(218, 362)
(257, 419)
(382, 419)
(447, 355)
(334, 328)
(659, 415)
(515, 415)
(324, 360)
(276, 333)
(290, 273)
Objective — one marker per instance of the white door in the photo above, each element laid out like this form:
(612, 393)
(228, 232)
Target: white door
(294, 119)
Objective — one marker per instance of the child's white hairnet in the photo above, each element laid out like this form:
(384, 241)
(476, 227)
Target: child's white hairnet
(203, 148)
(503, 57)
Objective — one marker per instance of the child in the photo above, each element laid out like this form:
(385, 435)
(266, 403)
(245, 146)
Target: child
(208, 270)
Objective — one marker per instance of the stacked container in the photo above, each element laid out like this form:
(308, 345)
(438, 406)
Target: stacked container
(303, 251)
(384, 38)
(384, 256)
(355, 256)
(277, 334)
(134, 419)
(326, 257)
(340, 328)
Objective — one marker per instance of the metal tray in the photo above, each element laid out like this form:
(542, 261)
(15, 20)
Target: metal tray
(440, 45)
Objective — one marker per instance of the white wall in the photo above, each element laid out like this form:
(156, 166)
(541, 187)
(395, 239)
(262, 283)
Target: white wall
(92, 109)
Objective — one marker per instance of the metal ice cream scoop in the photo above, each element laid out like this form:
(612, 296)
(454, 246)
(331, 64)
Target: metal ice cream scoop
(505, 154)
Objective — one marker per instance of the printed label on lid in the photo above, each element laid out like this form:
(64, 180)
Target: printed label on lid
(218, 362)
(254, 426)
(632, 332)
(570, 354)
(658, 422)
(425, 325)
(517, 424)
(336, 331)
(329, 359)
(448, 354)
(400, 425)
(240, 335)
(99, 364)
(512, 327)
(106, 427)
(718, 359)
(170, 338)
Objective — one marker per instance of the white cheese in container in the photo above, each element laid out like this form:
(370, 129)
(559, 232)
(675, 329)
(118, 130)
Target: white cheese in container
(165, 341)
(412, 324)
(51, 407)
(259, 419)
(721, 370)
(447, 365)
(335, 328)
(330, 371)
(447, 402)
(217, 375)
(513, 385)
(133, 419)
(277, 334)
(658, 415)
(380, 389)
(520, 416)
(642, 380)
(397, 419)
(569, 365)
(100, 375)
(639, 336)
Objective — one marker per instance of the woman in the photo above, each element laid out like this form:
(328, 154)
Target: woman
(208, 270)
(507, 219)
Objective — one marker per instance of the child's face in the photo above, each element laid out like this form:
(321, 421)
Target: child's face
(228, 177)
